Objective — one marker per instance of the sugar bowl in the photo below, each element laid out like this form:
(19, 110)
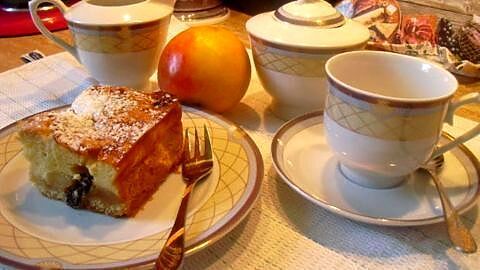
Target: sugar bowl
(290, 47)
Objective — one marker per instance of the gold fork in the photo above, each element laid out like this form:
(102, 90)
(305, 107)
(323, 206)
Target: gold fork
(194, 169)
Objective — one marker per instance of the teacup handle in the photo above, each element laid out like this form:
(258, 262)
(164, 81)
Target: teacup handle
(33, 6)
(466, 99)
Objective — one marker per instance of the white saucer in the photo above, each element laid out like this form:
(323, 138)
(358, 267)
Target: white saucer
(305, 162)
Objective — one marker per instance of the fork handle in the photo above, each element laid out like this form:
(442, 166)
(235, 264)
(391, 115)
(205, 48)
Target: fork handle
(171, 256)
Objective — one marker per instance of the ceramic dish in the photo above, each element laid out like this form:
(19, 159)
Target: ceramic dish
(290, 47)
(304, 161)
(118, 42)
(38, 232)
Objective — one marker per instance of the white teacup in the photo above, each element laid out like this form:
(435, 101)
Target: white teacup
(384, 114)
(118, 41)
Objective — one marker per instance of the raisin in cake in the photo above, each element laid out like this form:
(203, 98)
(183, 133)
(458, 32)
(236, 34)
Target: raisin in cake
(109, 152)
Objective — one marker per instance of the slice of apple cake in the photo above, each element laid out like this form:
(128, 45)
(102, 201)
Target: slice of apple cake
(108, 152)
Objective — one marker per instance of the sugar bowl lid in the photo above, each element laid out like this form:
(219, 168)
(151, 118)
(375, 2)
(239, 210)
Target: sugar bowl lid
(308, 24)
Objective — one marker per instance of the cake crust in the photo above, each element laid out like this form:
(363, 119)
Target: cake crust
(104, 122)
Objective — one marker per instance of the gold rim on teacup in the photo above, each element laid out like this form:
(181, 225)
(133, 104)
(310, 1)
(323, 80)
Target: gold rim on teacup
(375, 98)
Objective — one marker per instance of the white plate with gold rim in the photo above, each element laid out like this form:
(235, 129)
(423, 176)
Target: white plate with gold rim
(36, 231)
(304, 161)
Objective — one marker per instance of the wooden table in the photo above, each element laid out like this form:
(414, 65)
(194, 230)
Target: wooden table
(12, 48)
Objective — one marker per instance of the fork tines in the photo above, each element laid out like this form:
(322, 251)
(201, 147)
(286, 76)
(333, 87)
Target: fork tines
(207, 147)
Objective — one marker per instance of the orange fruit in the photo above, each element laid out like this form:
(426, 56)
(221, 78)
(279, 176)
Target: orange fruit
(206, 66)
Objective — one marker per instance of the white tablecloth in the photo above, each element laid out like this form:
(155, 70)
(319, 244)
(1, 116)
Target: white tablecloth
(283, 231)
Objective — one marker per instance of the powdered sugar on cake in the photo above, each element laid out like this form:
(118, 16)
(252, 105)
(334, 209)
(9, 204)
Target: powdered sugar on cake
(106, 120)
